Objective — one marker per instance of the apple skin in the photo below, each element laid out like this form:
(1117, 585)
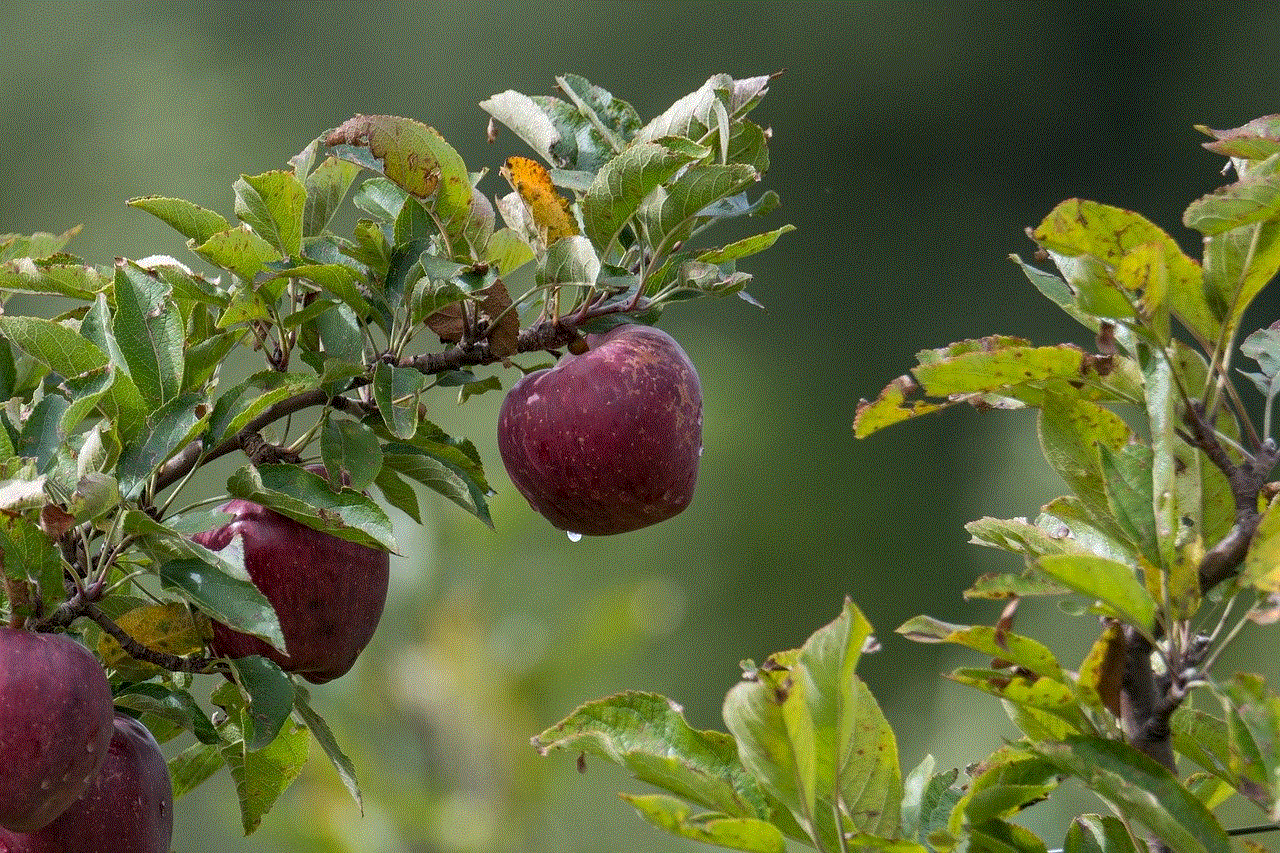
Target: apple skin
(607, 441)
(328, 593)
(55, 725)
(127, 808)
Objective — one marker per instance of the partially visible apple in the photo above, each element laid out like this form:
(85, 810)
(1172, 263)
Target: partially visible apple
(127, 808)
(607, 441)
(55, 725)
(328, 593)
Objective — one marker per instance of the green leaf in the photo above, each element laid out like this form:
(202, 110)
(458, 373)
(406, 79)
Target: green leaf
(272, 204)
(326, 187)
(239, 405)
(768, 716)
(324, 737)
(1255, 720)
(351, 447)
(398, 493)
(40, 438)
(72, 280)
(201, 360)
(187, 218)
(1261, 568)
(262, 775)
(1112, 583)
(571, 261)
(1237, 264)
(1255, 140)
(239, 250)
(735, 833)
(172, 704)
(29, 553)
(338, 279)
(1140, 789)
(624, 182)
(42, 244)
(745, 247)
(396, 390)
(524, 117)
(194, 765)
(306, 498)
(439, 474)
(230, 600)
(669, 213)
(856, 754)
(149, 331)
(693, 115)
(1008, 781)
(270, 694)
(173, 426)
(648, 735)
(1254, 198)
(999, 836)
(54, 345)
(1127, 476)
(1098, 834)
(507, 250)
(381, 199)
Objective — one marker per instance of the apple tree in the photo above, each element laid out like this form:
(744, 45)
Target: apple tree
(122, 593)
(1167, 543)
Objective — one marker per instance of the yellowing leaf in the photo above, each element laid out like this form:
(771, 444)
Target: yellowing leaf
(550, 209)
(171, 628)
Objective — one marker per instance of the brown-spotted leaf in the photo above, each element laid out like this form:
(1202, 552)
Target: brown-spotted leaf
(402, 144)
(550, 210)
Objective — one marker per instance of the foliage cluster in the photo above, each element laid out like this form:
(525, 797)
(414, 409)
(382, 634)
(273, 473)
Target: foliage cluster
(1169, 539)
(114, 398)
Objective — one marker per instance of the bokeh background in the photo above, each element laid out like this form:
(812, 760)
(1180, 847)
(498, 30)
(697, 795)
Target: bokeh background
(912, 145)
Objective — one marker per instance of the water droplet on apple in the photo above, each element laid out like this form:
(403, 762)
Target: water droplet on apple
(700, 448)
(573, 537)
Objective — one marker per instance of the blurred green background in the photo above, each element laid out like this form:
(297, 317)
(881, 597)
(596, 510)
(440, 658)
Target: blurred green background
(912, 144)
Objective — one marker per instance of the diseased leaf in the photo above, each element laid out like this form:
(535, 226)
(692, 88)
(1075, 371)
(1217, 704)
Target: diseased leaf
(272, 204)
(549, 210)
(170, 628)
(1254, 198)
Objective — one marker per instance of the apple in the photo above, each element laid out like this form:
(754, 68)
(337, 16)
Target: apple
(606, 441)
(328, 593)
(127, 808)
(55, 725)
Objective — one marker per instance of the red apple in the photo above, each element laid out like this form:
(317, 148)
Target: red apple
(128, 807)
(55, 725)
(328, 593)
(607, 441)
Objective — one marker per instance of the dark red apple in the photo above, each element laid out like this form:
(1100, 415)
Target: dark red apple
(607, 441)
(128, 807)
(55, 725)
(327, 592)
